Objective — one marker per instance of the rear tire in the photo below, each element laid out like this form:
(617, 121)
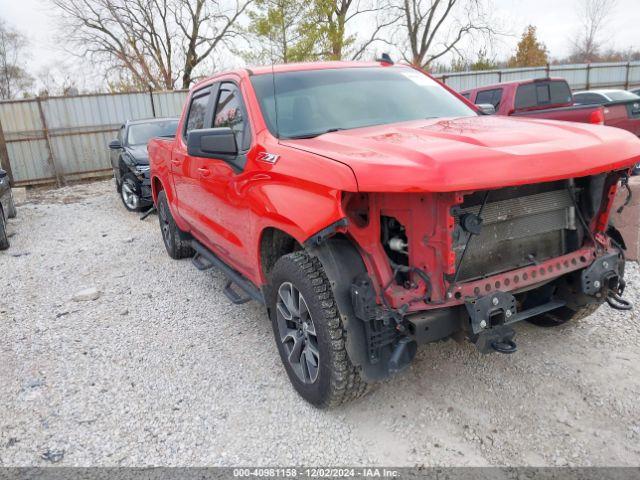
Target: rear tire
(562, 315)
(4, 239)
(309, 333)
(176, 246)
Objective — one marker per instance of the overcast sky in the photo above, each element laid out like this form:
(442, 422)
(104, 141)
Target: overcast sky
(555, 19)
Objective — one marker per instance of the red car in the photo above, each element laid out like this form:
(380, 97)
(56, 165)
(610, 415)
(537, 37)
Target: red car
(551, 98)
(372, 209)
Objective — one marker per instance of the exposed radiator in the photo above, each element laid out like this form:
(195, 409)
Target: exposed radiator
(517, 231)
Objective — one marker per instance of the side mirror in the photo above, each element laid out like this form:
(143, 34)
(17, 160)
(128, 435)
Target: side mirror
(212, 142)
(3, 173)
(486, 108)
(115, 144)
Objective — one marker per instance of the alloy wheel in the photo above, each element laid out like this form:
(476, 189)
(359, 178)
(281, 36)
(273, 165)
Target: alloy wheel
(297, 333)
(164, 223)
(129, 195)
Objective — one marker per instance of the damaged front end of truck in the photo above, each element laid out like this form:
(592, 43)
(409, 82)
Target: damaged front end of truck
(470, 264)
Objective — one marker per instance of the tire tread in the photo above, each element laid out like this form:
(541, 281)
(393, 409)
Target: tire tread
(346, 383)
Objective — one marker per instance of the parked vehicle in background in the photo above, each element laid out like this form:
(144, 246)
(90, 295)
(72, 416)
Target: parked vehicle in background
(351, 212)
(7, 208)
(551, 98)
(601, 97)
(130, 160)
(621, 108)
(539, 98)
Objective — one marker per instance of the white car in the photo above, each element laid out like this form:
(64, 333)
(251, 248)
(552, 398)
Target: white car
(601, 97)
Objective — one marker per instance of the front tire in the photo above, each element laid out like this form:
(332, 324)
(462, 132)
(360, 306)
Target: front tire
(309, 333)
(177, 248)
(130, 193)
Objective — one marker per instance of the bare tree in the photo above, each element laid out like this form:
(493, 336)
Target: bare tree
(434, 28)
(593, 18)
(13, 77)
(151, 42)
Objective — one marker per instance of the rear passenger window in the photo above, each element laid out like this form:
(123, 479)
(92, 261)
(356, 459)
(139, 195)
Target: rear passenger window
(197, 112)
(492, 97)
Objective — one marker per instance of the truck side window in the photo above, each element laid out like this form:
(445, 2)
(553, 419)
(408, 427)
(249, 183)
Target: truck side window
(229, 112)
(542, 93)
(197, 112)
(492, 97)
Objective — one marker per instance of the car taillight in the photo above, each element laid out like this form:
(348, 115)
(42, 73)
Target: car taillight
(597, 117)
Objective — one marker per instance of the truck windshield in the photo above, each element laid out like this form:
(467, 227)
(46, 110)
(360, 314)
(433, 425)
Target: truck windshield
(313, 102)
(141, 133)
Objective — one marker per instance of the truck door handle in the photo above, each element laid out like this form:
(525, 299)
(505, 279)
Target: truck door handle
(204, 171)
(175, 162)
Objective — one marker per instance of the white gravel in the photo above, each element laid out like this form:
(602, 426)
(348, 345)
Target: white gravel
(161, 369)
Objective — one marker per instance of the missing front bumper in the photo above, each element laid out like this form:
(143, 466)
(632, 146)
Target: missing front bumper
(490, 315)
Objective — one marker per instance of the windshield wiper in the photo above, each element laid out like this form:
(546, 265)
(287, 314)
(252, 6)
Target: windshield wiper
(313, 135)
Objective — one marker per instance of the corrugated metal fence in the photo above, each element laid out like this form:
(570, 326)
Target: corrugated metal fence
(53, 139)
(580, 76)
(57, 138)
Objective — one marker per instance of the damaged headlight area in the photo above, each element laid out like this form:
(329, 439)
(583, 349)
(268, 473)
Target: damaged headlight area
(469, 265)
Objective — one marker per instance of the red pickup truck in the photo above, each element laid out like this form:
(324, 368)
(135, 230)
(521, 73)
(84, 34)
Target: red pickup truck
(371, 210)
(551, 98)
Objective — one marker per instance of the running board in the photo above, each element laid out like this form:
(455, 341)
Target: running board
(205, 259)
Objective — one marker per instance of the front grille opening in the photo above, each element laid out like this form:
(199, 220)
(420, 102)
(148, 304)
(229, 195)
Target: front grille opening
(521, 226)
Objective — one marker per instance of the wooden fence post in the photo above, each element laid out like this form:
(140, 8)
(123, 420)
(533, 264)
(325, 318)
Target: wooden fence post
(5, 162)
(588, 76)
(51, 158)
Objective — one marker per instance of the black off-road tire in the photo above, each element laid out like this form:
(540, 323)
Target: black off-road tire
(4, 239)
(338, 381)
(12, 211)
(176, 246)
(563, 315)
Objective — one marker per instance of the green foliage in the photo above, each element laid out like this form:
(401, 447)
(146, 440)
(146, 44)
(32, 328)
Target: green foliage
(296, 31)
(278, 26)
(483, 62)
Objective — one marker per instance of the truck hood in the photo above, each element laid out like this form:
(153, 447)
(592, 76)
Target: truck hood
(473, 153)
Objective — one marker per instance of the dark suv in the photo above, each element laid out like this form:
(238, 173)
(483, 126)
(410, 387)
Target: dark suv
(130, 160)
(7, 208)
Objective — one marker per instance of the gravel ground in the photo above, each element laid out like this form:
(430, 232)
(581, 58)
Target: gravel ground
(161, 369)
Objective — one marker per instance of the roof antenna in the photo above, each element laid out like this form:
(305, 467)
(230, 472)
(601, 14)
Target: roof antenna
(385, 58)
